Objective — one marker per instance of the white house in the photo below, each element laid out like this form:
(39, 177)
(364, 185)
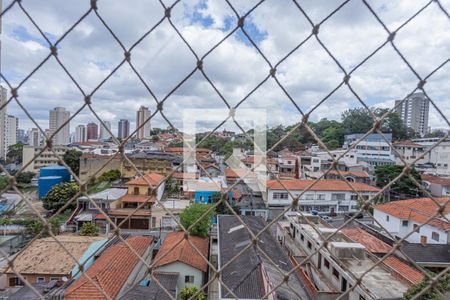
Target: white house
(328, 196)
(405, 216)
(180, 257)
(437, 186)
(373, 149)
(409, 152)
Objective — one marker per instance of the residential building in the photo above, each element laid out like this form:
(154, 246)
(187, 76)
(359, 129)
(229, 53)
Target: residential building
(409, 152)
(104, 134)
(154, 290)
(402, 217)
(123, 129)
(11, 126)
(177, 255)
(350, 176)
(437, 157)
(146, 189)
(80, 134)
(437, 186)
(86, 210)
(116, 270)
(145, 162)
(252, 273)
(204, 191)
(92, 132)
(143, 119)
(161, 216)
(373, 149)
(333, 269)
(414, 111)
(35, 158)
(57, 118)
(324, 196)
(44, 259)
(3, 99)
(21, 136)
(34, 137)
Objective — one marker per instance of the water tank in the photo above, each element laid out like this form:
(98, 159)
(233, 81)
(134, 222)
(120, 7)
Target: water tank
(55, 171)
(46, 183)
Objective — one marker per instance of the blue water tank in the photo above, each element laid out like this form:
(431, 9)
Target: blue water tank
(55, 171)
(46, 183)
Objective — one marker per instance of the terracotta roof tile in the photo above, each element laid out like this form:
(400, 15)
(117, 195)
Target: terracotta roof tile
(418, 210)
(321, 185)
(436, 179)
(371, 243)
(138, 198)
(411, 274)
(183, 252)
(110, 271)
(153, 178)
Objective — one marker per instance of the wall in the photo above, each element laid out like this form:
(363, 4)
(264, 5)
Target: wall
(183, 270)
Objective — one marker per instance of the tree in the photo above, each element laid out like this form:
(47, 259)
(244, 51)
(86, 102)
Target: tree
(222, 208)
(110, 175)
(443, 286)
(35, 226)
(436, 133)
(15, 153)
(89, 229)
(187, 292)
(193, 213)
(25, 177)
(59, 194)
(387, 173)
(3, 182)
(72, 159)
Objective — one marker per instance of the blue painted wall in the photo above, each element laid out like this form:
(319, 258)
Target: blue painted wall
(204, 196)
(55, 171)
(46, 183)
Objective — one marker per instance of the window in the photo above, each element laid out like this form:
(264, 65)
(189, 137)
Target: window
(54, 278)
(302, 237)
(309, 196)
(405, 223)
(335, 273)
(136, 190)
(309, 245)
(40, 280)
(320, 196)
(280, 196)
(435, 236)
(189, 279)
(339, 196)
(387, 218)
(326, 263)
(416, 228)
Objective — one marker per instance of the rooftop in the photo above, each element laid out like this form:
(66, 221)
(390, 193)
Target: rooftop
(172, 204)
(418, 210)
(244, 274)
(371, 243)
(110, 271)
(153, 178)
(436, 179)
(360, 174)
(111, 194)
(321, 185)
(154, 291)
(183, 251)
(46, 256)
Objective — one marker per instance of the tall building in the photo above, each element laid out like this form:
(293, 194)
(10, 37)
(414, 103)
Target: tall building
(124, 129)
(142, 115)
(92, 131)
(34, 137)
(414, 112)
(21, 136)
(11, 126)
(104, 134)
(58, 116)
(80, 134)
(3, 99)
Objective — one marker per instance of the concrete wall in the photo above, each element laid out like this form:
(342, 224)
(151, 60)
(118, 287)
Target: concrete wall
(183, 270)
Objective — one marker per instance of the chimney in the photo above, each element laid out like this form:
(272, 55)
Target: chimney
(423, 240)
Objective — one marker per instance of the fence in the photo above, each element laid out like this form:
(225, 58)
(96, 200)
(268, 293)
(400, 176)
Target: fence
(199, 68)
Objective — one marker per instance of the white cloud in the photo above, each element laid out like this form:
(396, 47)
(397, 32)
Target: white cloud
(90, 53)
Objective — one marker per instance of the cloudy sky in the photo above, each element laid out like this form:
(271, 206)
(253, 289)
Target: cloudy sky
(90, 53)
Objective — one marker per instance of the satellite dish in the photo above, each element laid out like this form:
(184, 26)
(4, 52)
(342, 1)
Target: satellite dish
(64, 278)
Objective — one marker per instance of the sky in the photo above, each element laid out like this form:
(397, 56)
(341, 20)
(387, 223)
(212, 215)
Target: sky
(89, 53)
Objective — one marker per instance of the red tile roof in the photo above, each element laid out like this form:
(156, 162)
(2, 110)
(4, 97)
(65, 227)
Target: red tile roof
(153, 178)
(436, 179)
(239, 173)
(321, 185)
(180, 175)
(371, 243)
(138, 198)
(411, 274)
(418, 210)
(360, 174)
(183, 252)
(110, 271)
